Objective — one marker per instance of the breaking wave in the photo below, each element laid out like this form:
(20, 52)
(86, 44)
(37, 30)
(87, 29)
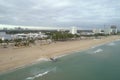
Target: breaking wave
(96, 46)
(98, 50)
(56, 57)
(40, 74)
(111, 44)
(42, 59)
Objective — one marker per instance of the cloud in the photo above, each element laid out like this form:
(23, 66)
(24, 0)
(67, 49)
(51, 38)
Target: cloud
(60, 12)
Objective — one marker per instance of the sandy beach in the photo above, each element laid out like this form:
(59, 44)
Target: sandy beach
(11, 58)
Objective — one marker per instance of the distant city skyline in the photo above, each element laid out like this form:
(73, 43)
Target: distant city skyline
(24, 27)
(85, 14)
(6, 26)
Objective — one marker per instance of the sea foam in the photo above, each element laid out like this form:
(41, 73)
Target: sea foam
(111, 44)
(98, 50)
(38, 75)
(56, 57)
(96, 46)
(41, 74)
(42, 59)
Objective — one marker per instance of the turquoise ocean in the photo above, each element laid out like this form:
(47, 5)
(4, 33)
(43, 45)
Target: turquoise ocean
(97, 63)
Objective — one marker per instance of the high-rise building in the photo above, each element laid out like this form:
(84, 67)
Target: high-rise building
(113, 29)
(97, 31)
(73, 30)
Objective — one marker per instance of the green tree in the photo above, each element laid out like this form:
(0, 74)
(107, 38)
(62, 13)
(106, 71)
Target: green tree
(1, 41)
(6, 41)
(17, 42)
(62, 36)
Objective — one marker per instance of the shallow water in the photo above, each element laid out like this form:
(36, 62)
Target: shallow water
(98, 63)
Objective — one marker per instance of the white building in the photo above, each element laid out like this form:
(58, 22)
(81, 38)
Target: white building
(108, 30)
(98, 31)
(111, 30)
(30, 35)
(85, 32)
(73, 30)
(5, 36)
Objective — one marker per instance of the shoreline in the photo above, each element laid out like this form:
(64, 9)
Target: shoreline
(62, 53)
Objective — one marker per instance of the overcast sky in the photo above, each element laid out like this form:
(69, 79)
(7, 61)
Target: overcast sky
(65, 13)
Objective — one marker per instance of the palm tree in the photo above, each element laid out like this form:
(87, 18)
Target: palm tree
(32, 41)
(6, 41)
(1, 41)
(17, 42)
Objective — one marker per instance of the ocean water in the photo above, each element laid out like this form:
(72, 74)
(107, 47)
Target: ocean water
(97, 63)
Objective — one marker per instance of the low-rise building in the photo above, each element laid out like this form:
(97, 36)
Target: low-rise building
(85, 32)
(30, 35)
(5, 36)
(98, 31)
